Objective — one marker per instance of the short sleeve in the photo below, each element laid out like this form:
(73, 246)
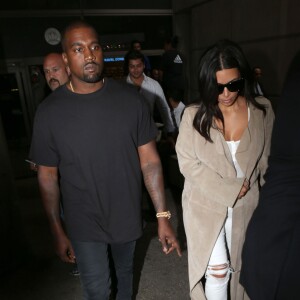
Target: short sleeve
(147, 129)
(42, 150)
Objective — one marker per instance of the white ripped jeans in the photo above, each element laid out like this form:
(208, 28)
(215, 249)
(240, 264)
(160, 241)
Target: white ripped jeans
(218, 269)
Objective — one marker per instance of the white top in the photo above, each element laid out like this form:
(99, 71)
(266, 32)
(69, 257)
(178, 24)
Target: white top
(153, 93)
(178, 112)
(233, 145)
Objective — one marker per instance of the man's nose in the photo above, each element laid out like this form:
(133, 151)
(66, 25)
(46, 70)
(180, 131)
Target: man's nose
(90, 55)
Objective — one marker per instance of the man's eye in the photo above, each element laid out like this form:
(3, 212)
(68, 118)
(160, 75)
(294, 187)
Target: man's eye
(77, 50)
(96, 47)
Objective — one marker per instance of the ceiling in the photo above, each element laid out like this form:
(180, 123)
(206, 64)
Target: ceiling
(29, 5)
(27, 20)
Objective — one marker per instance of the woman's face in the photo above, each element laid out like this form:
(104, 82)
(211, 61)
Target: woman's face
(224, 77)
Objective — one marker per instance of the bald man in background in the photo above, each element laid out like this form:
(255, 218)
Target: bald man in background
(56, 72)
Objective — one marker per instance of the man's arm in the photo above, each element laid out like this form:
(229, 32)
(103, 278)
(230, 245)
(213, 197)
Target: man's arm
(164, 109)
(49, 189)
(153, 178)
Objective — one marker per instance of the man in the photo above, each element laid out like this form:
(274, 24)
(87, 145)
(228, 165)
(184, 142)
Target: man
(101, 137)
(149, 88)
(137, 46)
(172, 67)
(177, 107)
(55, 70)
(156, 75)
(257, 73)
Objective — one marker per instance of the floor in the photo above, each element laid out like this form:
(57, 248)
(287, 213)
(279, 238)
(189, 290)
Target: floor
(42, 276)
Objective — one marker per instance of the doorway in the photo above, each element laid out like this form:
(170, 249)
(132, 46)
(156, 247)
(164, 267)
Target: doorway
(15, 110)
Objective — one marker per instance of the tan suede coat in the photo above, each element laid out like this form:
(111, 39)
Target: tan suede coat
(211, 186)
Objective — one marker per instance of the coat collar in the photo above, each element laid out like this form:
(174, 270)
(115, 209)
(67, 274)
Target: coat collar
(254, 129)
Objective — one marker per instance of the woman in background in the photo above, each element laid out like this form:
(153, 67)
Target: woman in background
(222, 147)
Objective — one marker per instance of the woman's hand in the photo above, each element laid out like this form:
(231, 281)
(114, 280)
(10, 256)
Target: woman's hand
(245, 188)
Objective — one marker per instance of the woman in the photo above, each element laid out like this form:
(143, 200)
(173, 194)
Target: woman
(271, 260)
(222, 149)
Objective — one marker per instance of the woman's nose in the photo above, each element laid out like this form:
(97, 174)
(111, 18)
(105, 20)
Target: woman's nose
(226, 92)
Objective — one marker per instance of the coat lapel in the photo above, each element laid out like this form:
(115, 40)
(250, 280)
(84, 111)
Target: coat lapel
(249, 140)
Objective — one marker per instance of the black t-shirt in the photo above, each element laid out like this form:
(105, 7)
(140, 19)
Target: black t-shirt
(172, 67)
(93, 139)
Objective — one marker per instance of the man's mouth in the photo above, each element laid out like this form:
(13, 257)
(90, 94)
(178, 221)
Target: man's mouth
(52, 81)
(90, 67)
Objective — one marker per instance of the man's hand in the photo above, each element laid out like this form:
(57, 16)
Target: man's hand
(153, 178)
(167, 237)
(64, 249)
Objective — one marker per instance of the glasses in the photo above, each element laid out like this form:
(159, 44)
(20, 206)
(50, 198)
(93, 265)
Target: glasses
(233, 85)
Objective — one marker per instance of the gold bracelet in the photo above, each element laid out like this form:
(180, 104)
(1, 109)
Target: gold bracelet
(164, 214)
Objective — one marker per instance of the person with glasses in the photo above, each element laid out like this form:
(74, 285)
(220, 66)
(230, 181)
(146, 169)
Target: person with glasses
(222, 147)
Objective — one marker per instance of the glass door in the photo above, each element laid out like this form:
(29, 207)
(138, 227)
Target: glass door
(16, 123)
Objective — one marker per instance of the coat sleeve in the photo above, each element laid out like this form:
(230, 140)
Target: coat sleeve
(268, 127)
(213, 186)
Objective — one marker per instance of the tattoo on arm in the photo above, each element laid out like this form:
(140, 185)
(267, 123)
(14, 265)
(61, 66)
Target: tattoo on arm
(153, 178)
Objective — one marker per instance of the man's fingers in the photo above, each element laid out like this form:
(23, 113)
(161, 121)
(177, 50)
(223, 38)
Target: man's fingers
(169, 245)
(164, 245)
(175, 245)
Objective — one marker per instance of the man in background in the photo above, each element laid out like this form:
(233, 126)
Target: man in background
(149, 88)
(172, 67)
(257, 74)
(55, 70)
(137, 46)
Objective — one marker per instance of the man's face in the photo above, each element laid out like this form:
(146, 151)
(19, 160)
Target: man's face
(257, 72)
(55, 71)
(136, 68)
(137, 47)
(155, 74)
(83, 55)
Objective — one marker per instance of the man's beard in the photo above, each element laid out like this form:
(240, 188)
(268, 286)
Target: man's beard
(93, 78)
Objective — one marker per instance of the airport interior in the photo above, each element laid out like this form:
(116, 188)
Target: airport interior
(269, 33)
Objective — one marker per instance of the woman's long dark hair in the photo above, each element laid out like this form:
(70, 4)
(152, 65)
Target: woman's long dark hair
(223, 55)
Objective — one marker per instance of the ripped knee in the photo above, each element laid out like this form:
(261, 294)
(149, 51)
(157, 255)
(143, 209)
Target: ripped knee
(219, 271)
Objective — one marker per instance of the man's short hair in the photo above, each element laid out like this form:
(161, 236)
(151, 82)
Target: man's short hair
(175, 94)
(135, 42)
(134, 54)
(73, 25)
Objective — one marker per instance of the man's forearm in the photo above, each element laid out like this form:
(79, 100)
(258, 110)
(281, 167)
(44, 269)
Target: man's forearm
(50, 195)
(153, 178)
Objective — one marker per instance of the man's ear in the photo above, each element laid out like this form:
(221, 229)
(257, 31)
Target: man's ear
(65, 59)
